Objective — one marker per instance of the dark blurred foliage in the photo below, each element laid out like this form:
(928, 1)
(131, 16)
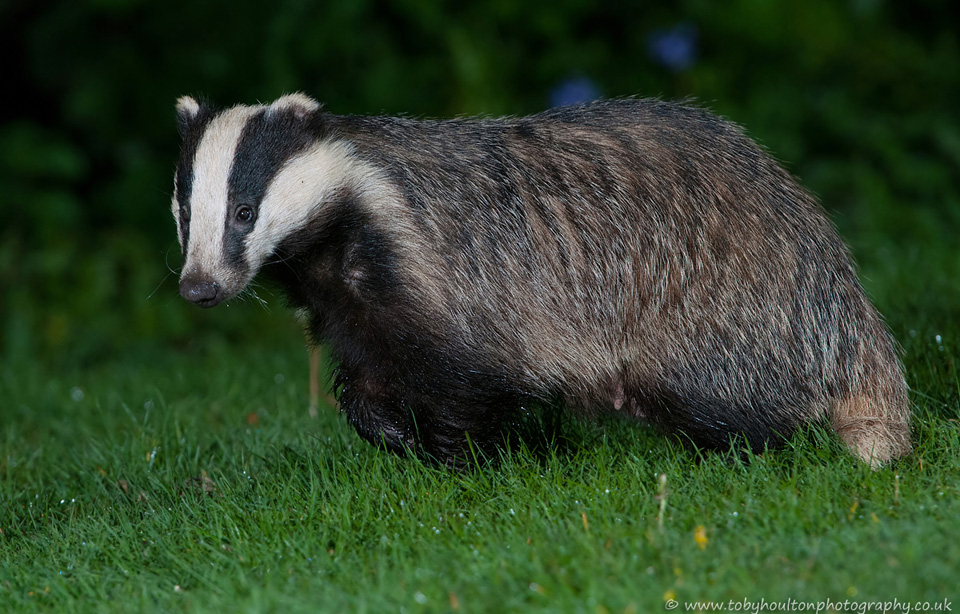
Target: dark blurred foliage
(858, 97)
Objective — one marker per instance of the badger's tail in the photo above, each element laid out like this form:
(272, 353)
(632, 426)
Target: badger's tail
(872, 414)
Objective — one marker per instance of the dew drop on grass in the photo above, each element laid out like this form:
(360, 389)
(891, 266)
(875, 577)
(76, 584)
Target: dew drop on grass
(76, 394)
(420, 597)
(278, 378)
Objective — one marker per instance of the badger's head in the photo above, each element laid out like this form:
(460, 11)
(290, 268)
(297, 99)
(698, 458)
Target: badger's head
(248, 177)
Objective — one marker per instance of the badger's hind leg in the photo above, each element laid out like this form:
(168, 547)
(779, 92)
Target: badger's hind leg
(875, 430)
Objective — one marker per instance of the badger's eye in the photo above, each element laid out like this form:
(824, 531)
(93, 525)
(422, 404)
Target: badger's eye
(244, 214)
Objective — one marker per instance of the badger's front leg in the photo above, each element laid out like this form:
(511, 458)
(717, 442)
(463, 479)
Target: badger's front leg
(443, 416)
(375, 408)
(457, 427)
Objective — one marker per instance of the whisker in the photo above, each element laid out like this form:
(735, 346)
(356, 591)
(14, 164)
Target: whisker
(251, 291)
(283, 261)
(262, 302)
(166, 262)
(165, 277)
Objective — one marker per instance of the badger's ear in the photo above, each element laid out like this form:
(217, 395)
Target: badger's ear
(300, 105)
(188, 113)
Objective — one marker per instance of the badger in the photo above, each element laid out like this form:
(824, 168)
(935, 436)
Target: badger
(636, 257)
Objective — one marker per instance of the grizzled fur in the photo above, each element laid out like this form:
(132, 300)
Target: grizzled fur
(637, 257)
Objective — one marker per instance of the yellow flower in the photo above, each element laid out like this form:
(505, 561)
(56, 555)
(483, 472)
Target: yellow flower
(700, 536)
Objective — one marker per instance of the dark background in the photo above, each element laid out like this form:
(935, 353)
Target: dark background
(858, 98)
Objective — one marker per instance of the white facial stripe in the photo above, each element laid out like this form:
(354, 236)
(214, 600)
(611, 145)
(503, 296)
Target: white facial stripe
(175, 207)
(303, 185)
(208, 200)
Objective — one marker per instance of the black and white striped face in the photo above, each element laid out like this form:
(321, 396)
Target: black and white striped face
(247, 178)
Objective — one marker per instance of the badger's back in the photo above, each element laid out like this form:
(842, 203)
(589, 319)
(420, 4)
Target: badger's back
(587, 243)
(633, 254)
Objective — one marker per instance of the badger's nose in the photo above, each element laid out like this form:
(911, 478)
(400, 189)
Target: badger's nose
(200, 291)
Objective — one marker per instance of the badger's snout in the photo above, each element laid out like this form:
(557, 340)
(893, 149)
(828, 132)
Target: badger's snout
(201, 291)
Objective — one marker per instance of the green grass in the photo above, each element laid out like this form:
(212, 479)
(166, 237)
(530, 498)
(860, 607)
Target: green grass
(197, 482)
(151, 490)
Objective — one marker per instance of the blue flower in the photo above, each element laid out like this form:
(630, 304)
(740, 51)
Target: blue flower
(574, 90)
(674, 48)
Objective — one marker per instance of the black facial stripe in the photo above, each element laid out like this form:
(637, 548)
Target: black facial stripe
(192, 132)
(269, 139)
